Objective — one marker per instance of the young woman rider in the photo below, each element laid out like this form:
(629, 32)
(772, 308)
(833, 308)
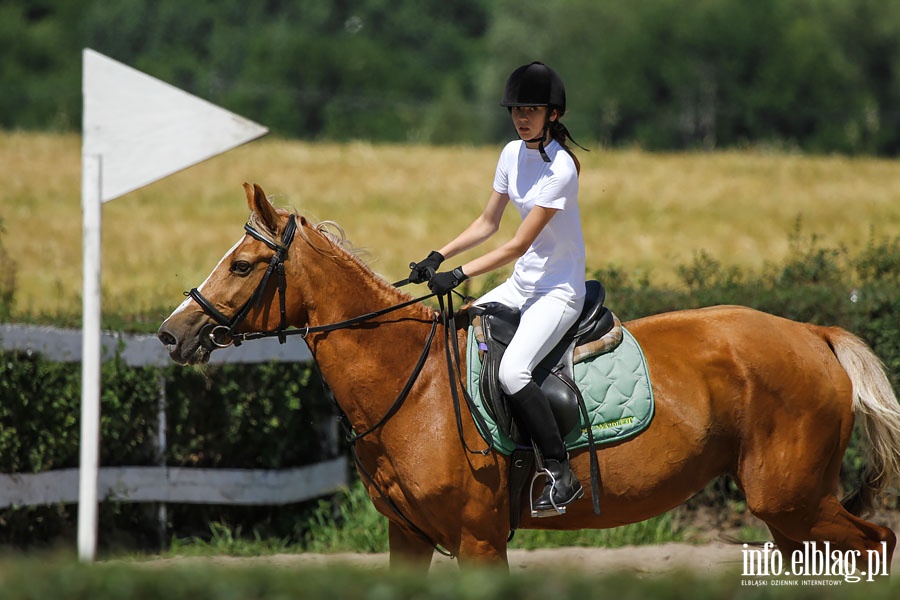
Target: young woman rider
(538, 174)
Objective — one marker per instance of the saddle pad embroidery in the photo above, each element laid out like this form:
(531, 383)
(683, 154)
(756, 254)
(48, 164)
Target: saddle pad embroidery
(616, 389)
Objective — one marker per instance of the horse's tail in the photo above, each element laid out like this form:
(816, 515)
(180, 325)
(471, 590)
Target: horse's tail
(875, 403)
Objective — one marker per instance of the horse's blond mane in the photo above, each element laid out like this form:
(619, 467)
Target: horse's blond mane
(335, 234)
(331, 231)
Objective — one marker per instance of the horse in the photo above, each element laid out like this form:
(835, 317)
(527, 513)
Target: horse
(768, 401)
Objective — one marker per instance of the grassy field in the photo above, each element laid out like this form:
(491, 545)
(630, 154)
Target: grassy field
(643, 213)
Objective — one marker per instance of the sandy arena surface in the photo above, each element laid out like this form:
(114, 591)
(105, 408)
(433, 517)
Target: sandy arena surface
(701, 559)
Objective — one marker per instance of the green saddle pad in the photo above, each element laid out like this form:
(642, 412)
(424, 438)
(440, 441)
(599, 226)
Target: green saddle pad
(616, 390)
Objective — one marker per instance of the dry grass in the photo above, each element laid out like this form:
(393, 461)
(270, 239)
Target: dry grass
(645, 213)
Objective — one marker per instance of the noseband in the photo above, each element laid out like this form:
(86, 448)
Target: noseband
(224, 334)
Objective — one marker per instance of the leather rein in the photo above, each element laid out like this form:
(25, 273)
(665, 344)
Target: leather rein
(225, 334)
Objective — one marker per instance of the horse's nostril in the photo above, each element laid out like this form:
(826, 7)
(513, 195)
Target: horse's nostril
(167, 338)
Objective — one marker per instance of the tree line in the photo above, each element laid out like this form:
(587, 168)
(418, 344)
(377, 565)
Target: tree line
(811, 75)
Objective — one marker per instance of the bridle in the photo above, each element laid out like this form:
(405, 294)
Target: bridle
(225, 333)
(227, 327)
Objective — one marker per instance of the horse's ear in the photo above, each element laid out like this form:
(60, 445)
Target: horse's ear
(258, 203)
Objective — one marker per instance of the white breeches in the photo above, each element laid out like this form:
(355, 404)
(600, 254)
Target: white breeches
(545, 319)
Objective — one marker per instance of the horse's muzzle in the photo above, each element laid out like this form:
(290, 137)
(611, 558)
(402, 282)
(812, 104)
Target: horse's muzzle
(187, 349)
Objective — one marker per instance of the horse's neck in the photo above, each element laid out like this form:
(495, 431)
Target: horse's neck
(362, 364)
(338, 288)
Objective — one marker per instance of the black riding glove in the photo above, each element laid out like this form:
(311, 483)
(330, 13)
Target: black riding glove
(443, 282)
(425, 269)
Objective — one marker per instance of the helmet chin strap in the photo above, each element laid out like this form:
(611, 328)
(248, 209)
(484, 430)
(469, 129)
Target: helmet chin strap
(540, 140)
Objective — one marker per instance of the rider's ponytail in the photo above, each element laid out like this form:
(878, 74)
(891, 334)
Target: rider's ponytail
(559, 133)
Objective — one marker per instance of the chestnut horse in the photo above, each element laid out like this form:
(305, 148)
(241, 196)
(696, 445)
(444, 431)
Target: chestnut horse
(767, 401)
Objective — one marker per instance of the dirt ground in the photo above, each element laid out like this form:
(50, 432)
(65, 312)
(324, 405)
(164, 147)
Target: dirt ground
(705, 558)
(713, 550)
(713, 558)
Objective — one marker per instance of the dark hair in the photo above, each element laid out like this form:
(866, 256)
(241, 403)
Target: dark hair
(559, 133)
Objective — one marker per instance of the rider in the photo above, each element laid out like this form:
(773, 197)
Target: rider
(539, 174)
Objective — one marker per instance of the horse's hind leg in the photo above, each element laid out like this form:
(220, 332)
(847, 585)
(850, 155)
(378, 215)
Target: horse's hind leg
(836, 524)
(833, 524)
(796, 498)
(786, 545)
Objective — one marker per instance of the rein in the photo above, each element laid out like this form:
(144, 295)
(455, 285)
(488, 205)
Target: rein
(225, 334)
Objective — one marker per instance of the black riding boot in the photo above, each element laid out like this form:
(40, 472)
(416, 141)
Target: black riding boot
(562, 486)
(532, 412)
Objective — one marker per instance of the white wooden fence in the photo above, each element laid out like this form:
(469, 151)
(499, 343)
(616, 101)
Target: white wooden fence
(162, 484)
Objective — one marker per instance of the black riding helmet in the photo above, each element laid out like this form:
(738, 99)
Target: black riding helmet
(535, 84)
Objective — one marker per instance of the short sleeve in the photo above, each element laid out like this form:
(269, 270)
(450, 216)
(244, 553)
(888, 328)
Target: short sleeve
(561, 187)
(501, 175)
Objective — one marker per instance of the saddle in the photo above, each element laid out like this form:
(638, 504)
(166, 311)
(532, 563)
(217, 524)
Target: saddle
(495, 324)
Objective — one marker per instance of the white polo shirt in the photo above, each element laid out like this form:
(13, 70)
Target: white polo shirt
(556, 259)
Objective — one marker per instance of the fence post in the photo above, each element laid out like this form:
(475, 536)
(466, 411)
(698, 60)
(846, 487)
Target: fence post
(161, 444)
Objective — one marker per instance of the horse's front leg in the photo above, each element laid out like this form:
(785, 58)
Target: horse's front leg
(478, 551)
(409, 550)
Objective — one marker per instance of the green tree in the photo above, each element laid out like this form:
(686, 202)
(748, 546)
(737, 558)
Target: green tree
(39, 65)
(819, 75)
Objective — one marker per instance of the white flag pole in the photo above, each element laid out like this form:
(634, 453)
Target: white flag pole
(91, 184)
(137, 130)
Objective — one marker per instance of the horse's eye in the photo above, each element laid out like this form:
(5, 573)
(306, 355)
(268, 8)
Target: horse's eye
(241, 267)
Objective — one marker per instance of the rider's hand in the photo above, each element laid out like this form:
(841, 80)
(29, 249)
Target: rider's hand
(443, 282)
(425, 269)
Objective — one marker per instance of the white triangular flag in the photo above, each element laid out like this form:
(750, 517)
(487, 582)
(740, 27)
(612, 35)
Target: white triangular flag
(145, 129)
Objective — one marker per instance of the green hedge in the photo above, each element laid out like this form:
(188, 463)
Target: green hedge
(238, 416)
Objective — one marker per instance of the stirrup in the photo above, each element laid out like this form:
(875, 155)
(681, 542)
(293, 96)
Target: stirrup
(558, 509)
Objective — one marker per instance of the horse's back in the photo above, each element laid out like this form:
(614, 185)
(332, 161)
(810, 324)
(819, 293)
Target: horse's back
(745, 333)
(752, 365)
(722, 320)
